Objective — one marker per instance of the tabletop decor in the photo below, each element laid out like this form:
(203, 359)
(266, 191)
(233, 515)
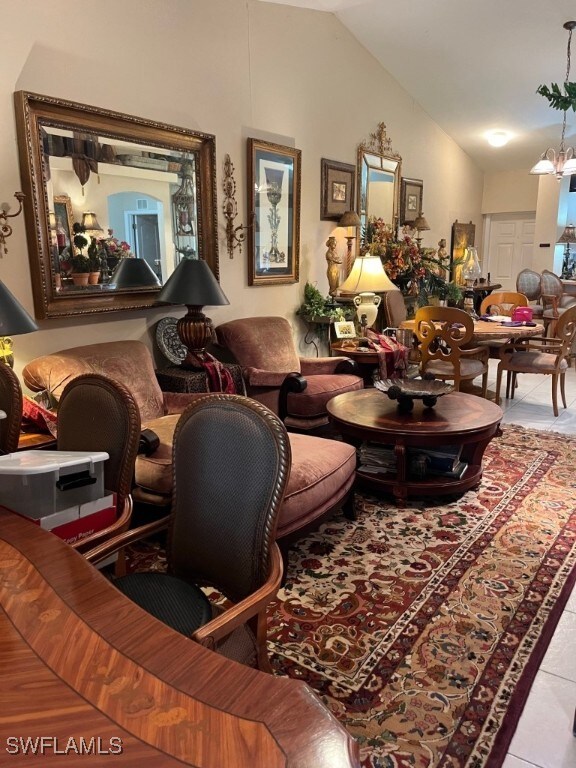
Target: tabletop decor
(406, 391)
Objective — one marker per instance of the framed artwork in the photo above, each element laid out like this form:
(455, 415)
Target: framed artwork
(462, 237)
(274, 208)
(63, 212)
(411, 191)
(345, 329)
(338, 182)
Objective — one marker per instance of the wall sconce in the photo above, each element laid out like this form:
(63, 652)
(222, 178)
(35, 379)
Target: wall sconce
(5, 228)
(349, 220)
(235, 236)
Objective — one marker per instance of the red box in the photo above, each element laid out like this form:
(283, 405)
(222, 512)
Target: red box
(81, 521)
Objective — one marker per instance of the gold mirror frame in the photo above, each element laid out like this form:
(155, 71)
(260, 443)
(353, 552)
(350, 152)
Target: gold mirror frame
(376, 154)
(35, 113)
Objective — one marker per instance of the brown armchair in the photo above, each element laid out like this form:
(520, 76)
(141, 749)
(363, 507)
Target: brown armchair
(295, 388)
(231, 459)
(442, 333)
(322, 472)
(11, 404)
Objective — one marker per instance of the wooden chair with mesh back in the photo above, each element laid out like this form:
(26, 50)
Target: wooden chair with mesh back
(528, 283)
(545, 355)
(442, 333)
(96, 413)
(231, 459)
(11, 404)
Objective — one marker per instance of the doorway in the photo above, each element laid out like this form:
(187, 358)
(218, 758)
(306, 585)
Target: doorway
(145, 237)
(510, 245)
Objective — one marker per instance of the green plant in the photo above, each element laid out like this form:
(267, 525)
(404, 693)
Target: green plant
(317, 306)
(79, 262)
(557, 99)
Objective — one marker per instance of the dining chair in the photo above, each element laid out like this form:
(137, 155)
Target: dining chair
(11, 404)
(554, 300)
(544, 355)
(528, 283)
(442, 333)
(232, 459)
(501, 303)
(96, 413)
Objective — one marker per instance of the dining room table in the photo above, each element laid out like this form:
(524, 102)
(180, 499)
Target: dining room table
(492, 330)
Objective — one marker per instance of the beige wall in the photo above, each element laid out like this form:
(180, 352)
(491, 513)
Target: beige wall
(237, 69)
(510, 192)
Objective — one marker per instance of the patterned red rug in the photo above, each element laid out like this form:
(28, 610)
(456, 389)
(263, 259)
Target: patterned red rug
(422, 627)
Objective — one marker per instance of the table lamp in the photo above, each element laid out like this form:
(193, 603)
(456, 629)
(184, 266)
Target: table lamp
(350, 221)
(367, 278)
(13, 320)
(420, 225)
(134, 273)
(193, 283)
(566, 238)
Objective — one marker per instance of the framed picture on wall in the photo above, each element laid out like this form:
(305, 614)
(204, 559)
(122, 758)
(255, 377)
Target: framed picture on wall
(338, 182)
(64, 219)
(274, 208)
(411, 191)
(462, 236)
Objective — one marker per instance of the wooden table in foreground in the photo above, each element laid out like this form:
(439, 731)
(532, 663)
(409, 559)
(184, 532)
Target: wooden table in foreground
(457, 418)
(484, 330)
(81, 661)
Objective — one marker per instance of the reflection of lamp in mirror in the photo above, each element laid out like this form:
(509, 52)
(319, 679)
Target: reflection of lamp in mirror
(566, 238)
(134, 273)
(184, 212)
(90, 223)
(193, 283)
(420, 225)
(366, 279)
(13, 320)
(350, 220)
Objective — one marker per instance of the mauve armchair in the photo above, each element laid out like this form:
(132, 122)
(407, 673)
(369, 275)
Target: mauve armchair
(296, 388)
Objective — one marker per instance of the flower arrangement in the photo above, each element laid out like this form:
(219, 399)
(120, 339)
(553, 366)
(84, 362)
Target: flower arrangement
(114, 248)
(417, 271)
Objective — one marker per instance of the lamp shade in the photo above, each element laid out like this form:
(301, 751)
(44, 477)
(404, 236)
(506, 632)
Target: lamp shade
(13, 317)
(193, 283)
(134, 273)
(367, 274)
(569, 235)
(90, 222)
(420, 223)
(349, 219)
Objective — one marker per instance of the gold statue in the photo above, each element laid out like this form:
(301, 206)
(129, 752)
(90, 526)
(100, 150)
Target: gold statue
(334, 262)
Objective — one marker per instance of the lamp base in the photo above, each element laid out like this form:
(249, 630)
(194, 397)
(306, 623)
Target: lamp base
(196, 332)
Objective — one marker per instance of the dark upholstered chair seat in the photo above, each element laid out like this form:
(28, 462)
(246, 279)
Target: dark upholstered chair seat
(321, 476)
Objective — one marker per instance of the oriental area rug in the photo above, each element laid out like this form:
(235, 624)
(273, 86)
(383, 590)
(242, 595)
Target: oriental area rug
(421, 627)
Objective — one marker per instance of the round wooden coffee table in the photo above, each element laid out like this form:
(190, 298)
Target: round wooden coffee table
(457, 419)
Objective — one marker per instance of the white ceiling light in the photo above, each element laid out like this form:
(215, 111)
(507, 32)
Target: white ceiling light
(562, 163)
(498, 138)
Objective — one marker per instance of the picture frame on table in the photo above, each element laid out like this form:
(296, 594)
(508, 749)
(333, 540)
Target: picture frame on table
(345, 329)
(337, 190)
(411, 194)
(274, 183)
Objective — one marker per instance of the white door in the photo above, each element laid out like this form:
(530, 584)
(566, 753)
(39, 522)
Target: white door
(510, 247)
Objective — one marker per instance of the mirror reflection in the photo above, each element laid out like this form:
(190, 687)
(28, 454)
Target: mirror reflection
(118, 201)
(378, 179)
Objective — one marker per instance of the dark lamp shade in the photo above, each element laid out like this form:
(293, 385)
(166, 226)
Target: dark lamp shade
(193, 283)
(13, 317)
(569, 235)
(134, 273)
(420, 223)
(349, 219)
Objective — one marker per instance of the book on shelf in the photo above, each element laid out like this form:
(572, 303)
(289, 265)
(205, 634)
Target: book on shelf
(457, 472)
(445, 458)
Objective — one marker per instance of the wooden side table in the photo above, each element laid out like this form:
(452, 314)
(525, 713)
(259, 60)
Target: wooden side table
(36, 441)
(174, 378)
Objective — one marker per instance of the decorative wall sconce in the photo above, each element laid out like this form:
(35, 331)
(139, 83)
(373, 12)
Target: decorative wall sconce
(5, 228)
(235, 236)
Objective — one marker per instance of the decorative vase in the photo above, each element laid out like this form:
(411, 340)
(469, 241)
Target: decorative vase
(367, 305)
(93, 278)
(80, 278)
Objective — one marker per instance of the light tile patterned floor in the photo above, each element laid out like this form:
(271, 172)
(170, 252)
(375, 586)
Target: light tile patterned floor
(544, 734)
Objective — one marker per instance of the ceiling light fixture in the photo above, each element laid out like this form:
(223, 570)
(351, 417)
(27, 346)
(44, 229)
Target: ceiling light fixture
(562, 163)
(498, 138)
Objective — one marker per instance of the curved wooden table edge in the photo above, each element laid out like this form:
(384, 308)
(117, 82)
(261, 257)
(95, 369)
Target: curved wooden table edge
(173, 701)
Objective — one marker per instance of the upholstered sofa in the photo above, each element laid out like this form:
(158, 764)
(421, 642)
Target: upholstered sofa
(322, 470)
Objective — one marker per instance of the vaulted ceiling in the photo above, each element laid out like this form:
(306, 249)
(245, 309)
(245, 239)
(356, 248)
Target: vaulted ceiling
(473, 65)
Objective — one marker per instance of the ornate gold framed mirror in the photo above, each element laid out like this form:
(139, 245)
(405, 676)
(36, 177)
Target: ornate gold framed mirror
(140, 189)
(379, 169)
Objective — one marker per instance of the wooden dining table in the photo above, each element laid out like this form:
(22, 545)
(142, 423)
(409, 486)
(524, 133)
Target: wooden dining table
(86, 672)
(486, 330)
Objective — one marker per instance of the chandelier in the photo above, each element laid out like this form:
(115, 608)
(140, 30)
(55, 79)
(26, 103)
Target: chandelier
(563, 162)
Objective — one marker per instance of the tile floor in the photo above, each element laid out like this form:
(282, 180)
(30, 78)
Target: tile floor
(544, 734)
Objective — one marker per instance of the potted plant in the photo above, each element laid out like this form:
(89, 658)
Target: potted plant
(95, 261)
(319, 309)
(79, 261)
